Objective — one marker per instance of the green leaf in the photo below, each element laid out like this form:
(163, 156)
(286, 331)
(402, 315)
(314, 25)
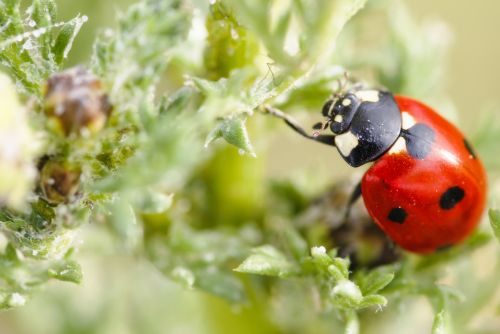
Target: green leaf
(208, 87)
(123, 223)
(337, 273)
(219, 283)
(298, 245)
(319, 255)
(229, 45)
(342, 264)
(375, 280)
(283, 25)
(495, 222)
(373, 300)
(27, 44)
(267, 260)
(65, 38)
(43, 12)
(178, 102)
(234, 131)
(68, 271)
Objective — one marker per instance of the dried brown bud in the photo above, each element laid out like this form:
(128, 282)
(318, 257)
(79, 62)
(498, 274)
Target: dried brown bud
(75, 98)
(59, 181)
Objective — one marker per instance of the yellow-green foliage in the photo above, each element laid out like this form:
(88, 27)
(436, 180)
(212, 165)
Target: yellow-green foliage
(175, 171)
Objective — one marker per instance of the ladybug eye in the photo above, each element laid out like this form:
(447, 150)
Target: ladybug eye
(327, 107)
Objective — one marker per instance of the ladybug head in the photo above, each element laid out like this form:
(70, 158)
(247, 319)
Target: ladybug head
(365, 122)
(340, 112)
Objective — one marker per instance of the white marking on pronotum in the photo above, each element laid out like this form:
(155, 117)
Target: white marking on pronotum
(346, 102)
(367, 95)
(407, 120)
(338, 119)
(399, 146)
(346, 142)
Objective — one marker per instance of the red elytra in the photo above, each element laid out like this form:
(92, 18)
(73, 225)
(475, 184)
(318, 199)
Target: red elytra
(426, 204)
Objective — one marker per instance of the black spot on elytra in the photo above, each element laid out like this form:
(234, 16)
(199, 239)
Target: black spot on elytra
(451, 197)
(419, 140)
(397, 215)
(469, 148)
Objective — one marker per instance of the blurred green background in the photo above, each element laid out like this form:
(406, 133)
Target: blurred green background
(123, 294)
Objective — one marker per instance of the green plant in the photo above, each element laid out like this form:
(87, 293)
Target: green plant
(202, 212)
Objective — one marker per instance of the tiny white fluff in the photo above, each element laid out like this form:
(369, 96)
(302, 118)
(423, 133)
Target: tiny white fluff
(318, 250)
(347, 288)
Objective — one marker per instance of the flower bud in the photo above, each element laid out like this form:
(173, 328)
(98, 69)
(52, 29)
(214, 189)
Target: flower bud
(76, 100)
(59, 181)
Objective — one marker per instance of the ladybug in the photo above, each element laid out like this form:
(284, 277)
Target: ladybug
(426, 186)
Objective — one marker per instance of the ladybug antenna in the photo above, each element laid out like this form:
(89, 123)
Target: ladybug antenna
(341, 86)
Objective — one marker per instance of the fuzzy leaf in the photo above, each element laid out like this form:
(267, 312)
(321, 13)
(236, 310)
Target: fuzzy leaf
(298, 245)
(234, 131)
(177, 102)
(375, 280)
(123, 223)
(342, 265)
(219, 283)
(229, 45)
(208, 87)
(69, 271)
(266, 260)
(373, 300)
(320, 256)
(346, 294)
(44, 12)
(65, 38)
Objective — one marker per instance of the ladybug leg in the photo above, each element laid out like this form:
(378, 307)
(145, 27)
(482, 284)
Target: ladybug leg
(325, 139)
(292, 123)
(355, 195)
